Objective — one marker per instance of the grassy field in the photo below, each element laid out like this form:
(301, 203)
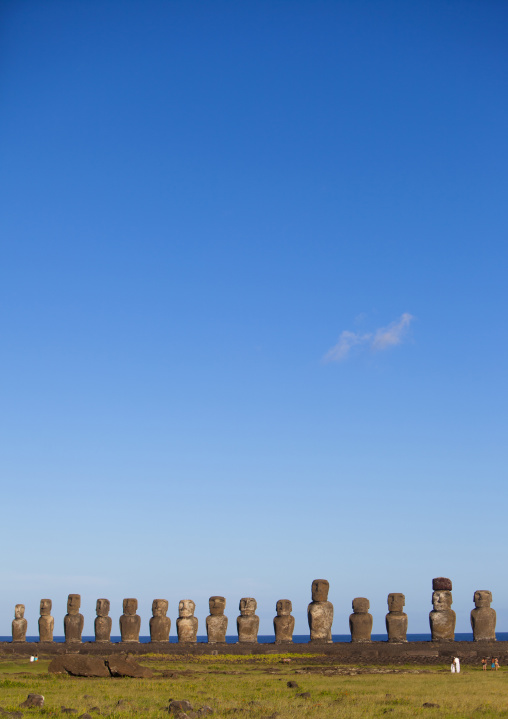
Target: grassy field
(240, 686)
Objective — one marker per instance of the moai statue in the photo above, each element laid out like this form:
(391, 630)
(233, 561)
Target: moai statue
(19, 624)
(160, 624)
(216, 622)
(130, 622)
(247, 623)
(360, 622)
(73, 620)
(103, 621)
(320, 612)
(396, 619)
(187, 623)
(283, 623)
(46, 621)
(483, 617)
(442, 617)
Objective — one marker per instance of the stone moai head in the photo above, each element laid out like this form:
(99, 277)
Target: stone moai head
(396, 602)
(73, 603)
(361, 605)
(130, 606)
(442, 594)
(160, 607)
(283, 607)
(320, 589)
(248, 606)
(102, 607)
(186, 608)
(217, 606)
(482, 598)
(45, 607)
(19, 611)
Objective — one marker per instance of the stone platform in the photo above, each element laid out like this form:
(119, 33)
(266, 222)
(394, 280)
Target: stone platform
(339, 652)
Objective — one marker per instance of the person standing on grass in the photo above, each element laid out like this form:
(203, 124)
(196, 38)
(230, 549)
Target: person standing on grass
(496, 663)
(492, 663)
(456, 661)
(484, 664)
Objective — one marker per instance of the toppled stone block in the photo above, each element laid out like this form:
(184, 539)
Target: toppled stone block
(79, 666)
(123, 667)
(33, 700)
(179, 705)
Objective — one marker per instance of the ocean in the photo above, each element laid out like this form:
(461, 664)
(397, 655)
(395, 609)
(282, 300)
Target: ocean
(297, 638)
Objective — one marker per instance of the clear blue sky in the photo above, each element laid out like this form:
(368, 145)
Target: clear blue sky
(253, 303)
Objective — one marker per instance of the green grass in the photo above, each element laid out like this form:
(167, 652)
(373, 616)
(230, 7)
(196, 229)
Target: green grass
(256, 686)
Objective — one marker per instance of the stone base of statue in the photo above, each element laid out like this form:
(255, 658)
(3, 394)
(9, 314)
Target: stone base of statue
(102, 626)
(320, 616)
(73, 627)
(46, 628)
(19, 627)
(396, 627)
(442, 625)
(187, 629)
(130, 626)
(216, 627)
(284, 626)
(247, 628)
(159, 629)
(483, 624)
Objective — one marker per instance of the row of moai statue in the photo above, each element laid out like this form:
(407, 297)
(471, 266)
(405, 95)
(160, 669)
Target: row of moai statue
(320, 616)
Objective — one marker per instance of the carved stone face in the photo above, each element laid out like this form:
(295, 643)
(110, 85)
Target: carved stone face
(396, 602)
(160, 607)
(248, 606)
(102, 607)
(45, 607)
(217, 606)
(130, 606)
(320, 588)
(19, 611)
(482, 598)
(283, 607)
(442, 600)
(361, 605)
(73, 603)
(186, 608)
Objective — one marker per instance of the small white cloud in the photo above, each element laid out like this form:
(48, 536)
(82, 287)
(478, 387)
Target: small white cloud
(346, 341)
(383, 338)
(393, 334)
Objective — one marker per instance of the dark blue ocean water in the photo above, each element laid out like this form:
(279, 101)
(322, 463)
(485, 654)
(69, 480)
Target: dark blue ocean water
(297, 639)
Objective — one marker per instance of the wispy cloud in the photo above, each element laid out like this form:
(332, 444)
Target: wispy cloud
(377, 341)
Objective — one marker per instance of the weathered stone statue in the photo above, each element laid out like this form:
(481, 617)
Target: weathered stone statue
(320, 612)
(483, 618)
(187, 623)
(216, 622)
(248, 622)
(46, 621)
(442, 617)
(73, 620)
(19, 624)
(360, 622)
(103, 621)
(130, 622)
(283, 623)
(160, 624)
(396, 619)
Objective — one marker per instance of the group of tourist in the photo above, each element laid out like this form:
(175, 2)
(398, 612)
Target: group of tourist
(494, 663)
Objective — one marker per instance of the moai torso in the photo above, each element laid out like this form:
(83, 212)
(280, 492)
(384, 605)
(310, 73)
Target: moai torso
(187, 623)
(320, 612)
(396, 619)
(160, 624)
(483, 617)
(73, 620)
(247, 623)
(102, 624)
(130, 622)
(46, 621)
(360, 622)
(19, 624)
(442, 617)
(216, 622)
(283, 623)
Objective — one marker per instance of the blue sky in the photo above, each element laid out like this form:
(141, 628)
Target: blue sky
(253, 291)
